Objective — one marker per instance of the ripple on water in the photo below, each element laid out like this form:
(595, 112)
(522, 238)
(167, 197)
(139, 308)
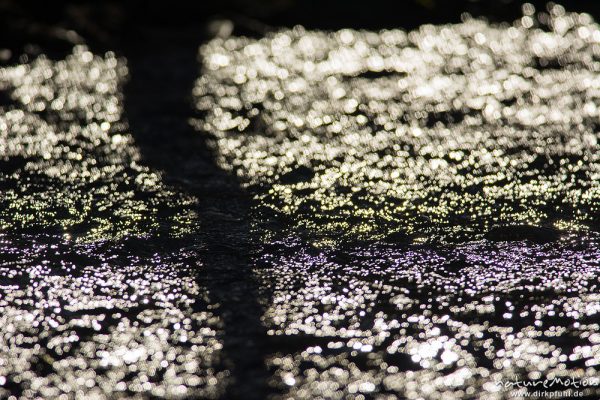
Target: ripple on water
(425, 204)
(437, 192)
(448, 131)
(91, 304)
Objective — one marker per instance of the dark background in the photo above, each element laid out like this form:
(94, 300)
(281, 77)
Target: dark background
(111, 24)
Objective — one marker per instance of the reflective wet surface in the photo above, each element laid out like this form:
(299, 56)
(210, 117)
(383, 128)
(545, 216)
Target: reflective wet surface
(96, 299)
(355, 214)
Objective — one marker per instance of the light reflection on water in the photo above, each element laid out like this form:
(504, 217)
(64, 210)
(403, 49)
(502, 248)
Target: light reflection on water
(91, 302)
(374, 152)
(380, 164)
(443, 132)
(445, 322)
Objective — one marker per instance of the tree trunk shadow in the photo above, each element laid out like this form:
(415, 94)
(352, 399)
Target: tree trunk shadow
(163, 67)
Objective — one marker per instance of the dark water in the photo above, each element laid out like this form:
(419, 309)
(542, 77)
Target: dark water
(350, 214)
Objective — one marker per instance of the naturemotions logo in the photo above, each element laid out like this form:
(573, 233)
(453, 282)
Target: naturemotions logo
(559, 387)
(555, 383)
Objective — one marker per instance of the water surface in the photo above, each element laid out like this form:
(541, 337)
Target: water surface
(422, 219)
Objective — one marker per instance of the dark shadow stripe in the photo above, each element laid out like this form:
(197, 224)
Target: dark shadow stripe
(162, 71)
